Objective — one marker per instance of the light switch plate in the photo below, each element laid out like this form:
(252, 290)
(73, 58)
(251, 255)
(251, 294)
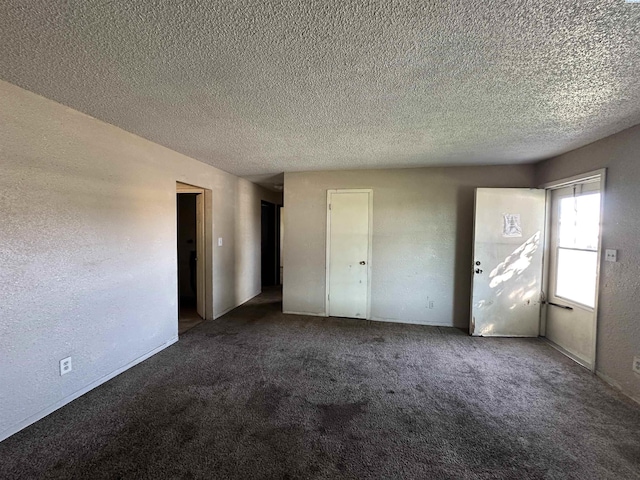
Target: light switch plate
(219, 241)
(611, 255)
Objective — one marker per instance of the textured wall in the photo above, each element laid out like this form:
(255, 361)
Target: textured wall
(422, 230)
(618, 322)
(88, 249)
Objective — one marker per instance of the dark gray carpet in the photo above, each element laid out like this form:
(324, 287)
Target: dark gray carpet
(258, 394)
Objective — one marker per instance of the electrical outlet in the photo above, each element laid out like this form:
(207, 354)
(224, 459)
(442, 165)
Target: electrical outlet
(611, 255)
(65, 366)
(636, 364)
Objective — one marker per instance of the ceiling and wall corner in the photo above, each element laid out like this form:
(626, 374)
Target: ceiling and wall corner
(260, 88)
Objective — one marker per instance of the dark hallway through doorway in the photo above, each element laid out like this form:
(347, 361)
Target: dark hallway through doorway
(270, 244)
(188, 315)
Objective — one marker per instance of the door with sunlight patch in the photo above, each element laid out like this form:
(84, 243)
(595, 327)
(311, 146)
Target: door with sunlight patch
(507, 262)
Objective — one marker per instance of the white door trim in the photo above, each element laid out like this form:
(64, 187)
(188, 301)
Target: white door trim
(201, 257)
(184, 188)
(204, 296)
(600, 174)
(328, 247)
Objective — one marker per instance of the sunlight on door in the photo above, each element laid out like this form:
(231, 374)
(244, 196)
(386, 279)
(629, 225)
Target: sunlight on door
(507, 271)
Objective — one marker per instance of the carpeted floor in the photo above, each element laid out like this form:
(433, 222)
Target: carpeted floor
(258, 394)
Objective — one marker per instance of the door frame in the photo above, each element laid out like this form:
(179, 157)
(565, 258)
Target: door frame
(281, 249)
(327, 303)
(204, 293)
(549, 187)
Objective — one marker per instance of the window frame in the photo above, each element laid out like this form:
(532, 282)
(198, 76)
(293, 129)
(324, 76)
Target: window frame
(590, 190)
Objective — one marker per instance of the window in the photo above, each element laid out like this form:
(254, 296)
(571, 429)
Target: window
(579, 231)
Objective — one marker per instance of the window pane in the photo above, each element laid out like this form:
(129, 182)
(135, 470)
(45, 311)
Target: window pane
(580, 221)
(576, 277)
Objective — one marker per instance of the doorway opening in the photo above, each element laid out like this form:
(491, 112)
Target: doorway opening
(191, 256)
(574, 213)
(270, 244)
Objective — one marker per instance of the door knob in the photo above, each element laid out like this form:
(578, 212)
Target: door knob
(363, 263)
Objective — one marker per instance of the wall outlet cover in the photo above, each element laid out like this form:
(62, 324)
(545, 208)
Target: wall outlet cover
(65, 366)
(611, 255)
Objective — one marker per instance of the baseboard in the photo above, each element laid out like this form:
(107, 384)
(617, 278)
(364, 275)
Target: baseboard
(605, 378)
(566, 352)
(52, 408)
(406, 322)
(611, 382)
(500, 335)
(308, 314)
(224, 312)
(373, 319)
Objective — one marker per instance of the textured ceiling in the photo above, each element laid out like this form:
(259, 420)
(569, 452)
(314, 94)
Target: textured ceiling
(261, 87)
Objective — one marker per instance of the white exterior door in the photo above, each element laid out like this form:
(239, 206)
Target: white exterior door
(507, 256)
(573, 270)
(349, 214)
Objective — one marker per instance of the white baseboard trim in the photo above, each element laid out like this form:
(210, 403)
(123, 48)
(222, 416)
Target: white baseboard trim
(406, 322)
(605, 378)
(610, 381)
(68, 399)
(372, 319)
(308, 314)
(575, 358)
(224, 312)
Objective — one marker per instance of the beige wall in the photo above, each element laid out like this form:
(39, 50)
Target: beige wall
(422, 230)
(618, 321)
(88, 250)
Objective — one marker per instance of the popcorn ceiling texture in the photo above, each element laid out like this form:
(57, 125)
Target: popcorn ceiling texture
(261, 87)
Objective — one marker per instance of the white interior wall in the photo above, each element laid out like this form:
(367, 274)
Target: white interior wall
(618, 324)
(422, 233)
(88, 250)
